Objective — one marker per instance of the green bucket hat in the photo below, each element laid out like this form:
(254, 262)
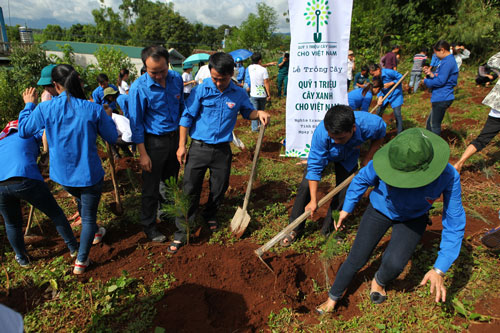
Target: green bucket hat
(46, 76)
(109, 91)
(414, 158)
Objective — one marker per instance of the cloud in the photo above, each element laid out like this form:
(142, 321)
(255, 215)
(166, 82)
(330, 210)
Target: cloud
(210, 12)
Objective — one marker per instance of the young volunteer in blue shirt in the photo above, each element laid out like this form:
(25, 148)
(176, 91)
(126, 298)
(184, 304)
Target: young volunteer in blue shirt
(72, 124)
(337, 139)
(98, 93)
(20, 179)
(408, 175)
(389, 78)
(156, 101)
(441, 82)
(210, 117)
(360, 99)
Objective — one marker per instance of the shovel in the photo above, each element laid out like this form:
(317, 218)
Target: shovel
(241, 218)
(117, 207)
(260, 251)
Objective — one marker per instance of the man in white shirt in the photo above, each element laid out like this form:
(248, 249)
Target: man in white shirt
(203, 73)
(187, 78)
(260, 92)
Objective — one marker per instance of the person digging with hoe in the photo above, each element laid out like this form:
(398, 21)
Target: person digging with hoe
(408, 175)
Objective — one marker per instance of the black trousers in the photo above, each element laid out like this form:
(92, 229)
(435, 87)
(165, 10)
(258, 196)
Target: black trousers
(162, 151)
(489, 131)
(304, 197)
(203, 156)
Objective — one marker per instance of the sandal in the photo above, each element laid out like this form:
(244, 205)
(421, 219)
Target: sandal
(321, 311)
(176, 245)
(213, 226)
(377, 297)
(288, 239)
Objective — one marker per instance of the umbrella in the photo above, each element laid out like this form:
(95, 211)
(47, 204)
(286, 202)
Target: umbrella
(197, 58)
(241, 53)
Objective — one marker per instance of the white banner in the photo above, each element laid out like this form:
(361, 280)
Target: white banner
(317, 78)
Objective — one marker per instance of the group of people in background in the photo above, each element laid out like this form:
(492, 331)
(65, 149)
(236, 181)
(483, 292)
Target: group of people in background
(159, 110)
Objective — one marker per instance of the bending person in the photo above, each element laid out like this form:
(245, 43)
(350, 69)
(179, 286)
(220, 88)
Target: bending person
(72, 124)
(360, 99)
(337, 140)
(408, 174)
(20, 179)
(492, 125)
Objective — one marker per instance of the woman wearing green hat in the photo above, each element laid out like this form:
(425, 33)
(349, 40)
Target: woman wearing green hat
(408, 175)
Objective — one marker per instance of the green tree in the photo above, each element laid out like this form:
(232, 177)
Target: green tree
(53, 32)
(110, 61)
(257, 31)
(110, 28)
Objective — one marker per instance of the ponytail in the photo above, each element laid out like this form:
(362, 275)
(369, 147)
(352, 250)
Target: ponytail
(121, 75)
(68, 77)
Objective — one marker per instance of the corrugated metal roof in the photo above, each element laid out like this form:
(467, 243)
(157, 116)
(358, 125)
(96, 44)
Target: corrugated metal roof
(91, 48)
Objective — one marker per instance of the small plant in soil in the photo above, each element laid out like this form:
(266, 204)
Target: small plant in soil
(177, 205)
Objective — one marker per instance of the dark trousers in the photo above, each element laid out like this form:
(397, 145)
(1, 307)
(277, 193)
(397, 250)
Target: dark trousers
(397, 115)
(304, 197)
(38, 194)
(162, 151)
(282, 83)
(202, 156)
(373, 226)
(484, 79)
(437, 115)
(489, 131)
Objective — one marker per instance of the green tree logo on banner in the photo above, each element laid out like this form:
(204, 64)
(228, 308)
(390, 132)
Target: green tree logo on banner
(317, 15)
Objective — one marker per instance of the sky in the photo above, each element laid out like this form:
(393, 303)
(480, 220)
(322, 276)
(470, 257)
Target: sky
(39, 13)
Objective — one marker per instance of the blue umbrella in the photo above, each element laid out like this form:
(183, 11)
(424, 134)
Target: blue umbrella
(195, 58)
(241, 53)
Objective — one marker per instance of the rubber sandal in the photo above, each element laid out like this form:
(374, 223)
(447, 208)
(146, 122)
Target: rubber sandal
(321, 312)
(80, 267)
(175, 245)
(213, 226)
(377, 297)
(290, 238)
(492, 238)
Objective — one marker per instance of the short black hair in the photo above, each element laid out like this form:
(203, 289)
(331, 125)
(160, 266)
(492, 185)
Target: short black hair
(424, 50)
(223, 63)
(154, 51)
(339, 119)
(101, 78)
(441, 44)
(374, 67)
(365, 68)
(256, 57)
(395, 47)
(287, 55)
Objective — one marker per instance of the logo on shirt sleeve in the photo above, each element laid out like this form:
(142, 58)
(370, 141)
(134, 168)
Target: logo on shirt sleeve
(230, 104)
(178, 96)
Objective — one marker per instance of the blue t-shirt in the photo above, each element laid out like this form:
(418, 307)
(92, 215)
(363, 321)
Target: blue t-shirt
(122, 101)
(396, 97)
(403, 204)
(153, 109)
(211, 115)
(357, 101)
(325, 150)
(444, 80)
(20, 156)
(98, 96)
(71, 128)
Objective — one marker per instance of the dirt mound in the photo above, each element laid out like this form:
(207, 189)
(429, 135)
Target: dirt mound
(230, 289)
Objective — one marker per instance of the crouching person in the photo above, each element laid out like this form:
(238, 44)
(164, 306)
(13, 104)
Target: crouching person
(408, 174)
(210, 116)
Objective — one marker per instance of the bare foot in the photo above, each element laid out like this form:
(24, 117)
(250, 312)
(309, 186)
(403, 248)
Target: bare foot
(326, 307)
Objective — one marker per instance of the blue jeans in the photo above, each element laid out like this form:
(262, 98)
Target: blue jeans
(259, 103)
(373, 226)
(87, 199)
(437, 115)
(38, 194)
(415, 80)
(397, 114)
